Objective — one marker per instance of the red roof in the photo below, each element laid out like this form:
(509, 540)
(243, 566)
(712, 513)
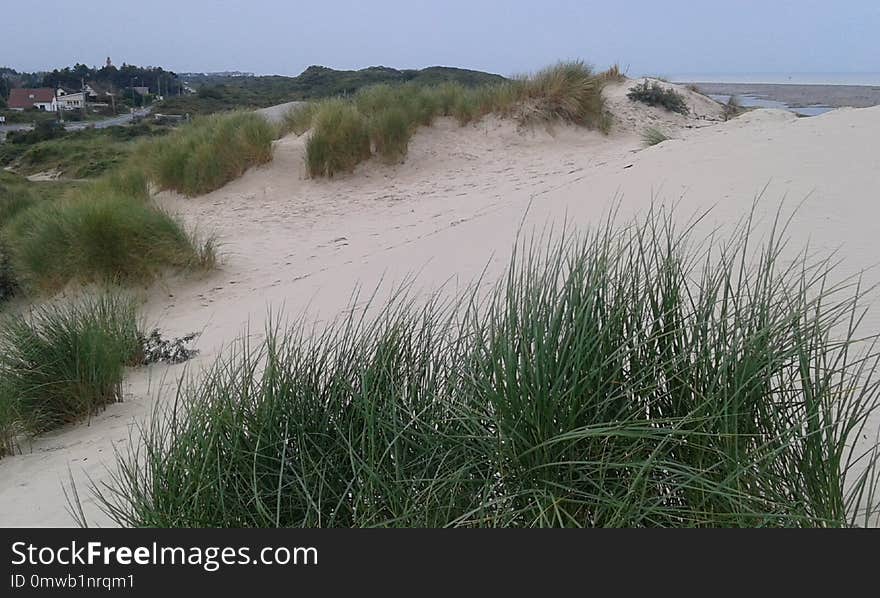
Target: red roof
(26, 98)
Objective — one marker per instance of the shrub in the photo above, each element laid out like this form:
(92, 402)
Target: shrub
(654, 94)
(653, 136)
(99, 237)
(340, 139)
(210, 152)
(634, 378)
(63, 362)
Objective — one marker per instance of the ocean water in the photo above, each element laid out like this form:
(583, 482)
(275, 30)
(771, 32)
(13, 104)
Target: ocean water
(871, 79)
(749, 101)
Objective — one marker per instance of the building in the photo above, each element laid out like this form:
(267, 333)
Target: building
(42, 98)
(70, 101)
(46, 99)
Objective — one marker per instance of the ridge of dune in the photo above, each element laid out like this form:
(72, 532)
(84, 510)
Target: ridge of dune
(449, 214)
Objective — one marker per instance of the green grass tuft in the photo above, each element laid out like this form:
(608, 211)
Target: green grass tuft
(567, 92)
(63, 362)
(99, 236)
(209, 153)
(340, 139)
(632, 378)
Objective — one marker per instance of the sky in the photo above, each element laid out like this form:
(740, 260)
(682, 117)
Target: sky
(506, 37)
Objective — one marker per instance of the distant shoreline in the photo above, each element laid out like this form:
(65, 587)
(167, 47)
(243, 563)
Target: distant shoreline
(800, 95)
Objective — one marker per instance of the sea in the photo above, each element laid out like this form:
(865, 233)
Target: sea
(871, 79)
(749, 101)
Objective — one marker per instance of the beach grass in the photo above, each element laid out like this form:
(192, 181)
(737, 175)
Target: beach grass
(209, 153)
(652, 136)
(340, 139)
(566, 92)
(98, 235)
(64, 361)
(637, 376)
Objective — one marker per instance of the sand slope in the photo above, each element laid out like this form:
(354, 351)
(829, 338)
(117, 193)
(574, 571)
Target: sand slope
(452, 211)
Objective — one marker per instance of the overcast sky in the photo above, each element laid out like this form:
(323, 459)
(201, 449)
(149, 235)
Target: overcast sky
(506, 37)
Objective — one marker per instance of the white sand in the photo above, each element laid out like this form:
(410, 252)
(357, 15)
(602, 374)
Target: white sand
(451, 211)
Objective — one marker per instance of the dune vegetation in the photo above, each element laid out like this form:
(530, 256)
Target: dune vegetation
(63, 362)
(653, 136)
(654, 94)
(390, 114)
(633, 377)
(108, 231)
(209, 153)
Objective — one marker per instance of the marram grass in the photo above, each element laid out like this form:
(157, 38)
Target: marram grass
(63, 361)
(209, 153)
(633, 377)
(381, 119)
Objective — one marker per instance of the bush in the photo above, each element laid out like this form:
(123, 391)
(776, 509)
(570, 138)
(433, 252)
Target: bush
(63, 363)
(654, 94)
(209, 153)
(635, 378)
(94, 236)
(340, 139)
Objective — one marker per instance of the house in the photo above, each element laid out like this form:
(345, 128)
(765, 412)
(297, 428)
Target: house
(46, 99)
(70, 101)
(42, 98)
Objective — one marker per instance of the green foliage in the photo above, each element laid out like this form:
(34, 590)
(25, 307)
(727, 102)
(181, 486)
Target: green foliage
(207, 154)
(63, 362)
(653, 136)
(340, 139)
(654, 94)
(316, 82)
(567, 92)
(98, 234)
(88, 153)
(298, 119)
(390, 132)
(634, 378)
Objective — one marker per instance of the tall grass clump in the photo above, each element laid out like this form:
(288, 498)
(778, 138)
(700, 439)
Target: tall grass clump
(209, 153)
(653, 136)
(654, 94)
(63, 362)
(569, 92)
(634, 377)
(298, 119)
(614, 74)
(97, 236)
(340, 139)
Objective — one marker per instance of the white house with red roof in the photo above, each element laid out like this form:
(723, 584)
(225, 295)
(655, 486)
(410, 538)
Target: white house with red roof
(45, 98)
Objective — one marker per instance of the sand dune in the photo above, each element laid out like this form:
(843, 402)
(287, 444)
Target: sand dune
(452, 212)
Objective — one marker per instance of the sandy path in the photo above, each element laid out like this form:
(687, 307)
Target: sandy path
(453, 210)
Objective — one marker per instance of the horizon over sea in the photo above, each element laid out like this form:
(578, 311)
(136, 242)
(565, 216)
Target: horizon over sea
(863, 79)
